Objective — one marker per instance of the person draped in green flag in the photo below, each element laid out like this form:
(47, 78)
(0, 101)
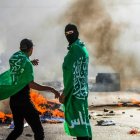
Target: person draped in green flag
(16, 83)
(75, 93)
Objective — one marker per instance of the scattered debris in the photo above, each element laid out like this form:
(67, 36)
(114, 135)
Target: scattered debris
(111, 111)
(105, 122)
(105, 113)
(106, 110)
(99, 115)
(134, 131)
(93, 115)
(46, 119)
(12, 125)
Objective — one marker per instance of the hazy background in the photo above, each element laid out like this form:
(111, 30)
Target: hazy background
(110, 28)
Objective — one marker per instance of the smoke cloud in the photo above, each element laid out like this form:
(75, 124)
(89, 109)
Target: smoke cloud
(38, 21)
(109, 28)
(107, 31)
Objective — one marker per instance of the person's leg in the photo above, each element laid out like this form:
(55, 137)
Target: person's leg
(32, 118)
(84, 138)
(18, 122)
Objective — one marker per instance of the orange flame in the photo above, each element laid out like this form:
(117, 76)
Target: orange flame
(3, 116)
(38, 100)
(57, 113)
(40, 104)
(136, 102)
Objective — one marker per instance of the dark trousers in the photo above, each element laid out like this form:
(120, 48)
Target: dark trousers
(84, 138)
(29, 113)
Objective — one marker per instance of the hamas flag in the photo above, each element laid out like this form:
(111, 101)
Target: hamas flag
(17, 77)
(75, 78)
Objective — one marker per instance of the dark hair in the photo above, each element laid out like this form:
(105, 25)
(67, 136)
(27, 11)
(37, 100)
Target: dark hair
(26, 45)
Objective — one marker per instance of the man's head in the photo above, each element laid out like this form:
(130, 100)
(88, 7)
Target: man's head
(71, 33)
(26, 46)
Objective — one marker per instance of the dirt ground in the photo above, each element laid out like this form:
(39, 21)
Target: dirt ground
(125, 119)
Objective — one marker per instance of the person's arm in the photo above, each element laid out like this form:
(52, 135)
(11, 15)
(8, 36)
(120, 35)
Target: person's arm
(39, 87)
(62, 98)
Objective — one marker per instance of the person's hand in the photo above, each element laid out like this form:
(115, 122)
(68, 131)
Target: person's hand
(62, 98)
(56, 93)
(35, 62)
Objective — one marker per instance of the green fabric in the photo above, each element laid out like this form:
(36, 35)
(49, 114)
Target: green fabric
(75, 78)
(17, 77)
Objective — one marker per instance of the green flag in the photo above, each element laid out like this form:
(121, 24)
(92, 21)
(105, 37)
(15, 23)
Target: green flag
(17, 77)
(75, 78)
